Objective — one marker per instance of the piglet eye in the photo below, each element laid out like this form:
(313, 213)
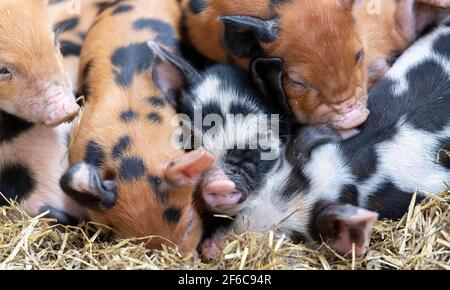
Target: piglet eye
(359, 55)
(298, 82)
(5, 73)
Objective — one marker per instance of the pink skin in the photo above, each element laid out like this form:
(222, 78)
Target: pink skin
(362, 220)
(218, 191)
(352, 117)
(341, 116)
(52, 107)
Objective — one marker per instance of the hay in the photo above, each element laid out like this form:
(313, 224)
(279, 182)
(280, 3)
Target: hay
(421, 240)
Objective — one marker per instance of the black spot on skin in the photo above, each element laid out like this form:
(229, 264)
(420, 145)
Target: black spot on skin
(154, 117)
(171, 164)
(122, 9)
(122, 145)
(156, 102)
(390, 202)
(279, 2)
(349, 195)
(16, 182)
(60, 216)
(172, 215)
(197, 6)
(102, 6)
(130, 61)
(165, 32)
(296, 184)
(51, 2)
(66, 25)
(132, 168)
(129, 116)
(95, 154)
(69, 48)
(157, 187)
(442, 45)
(11, 127)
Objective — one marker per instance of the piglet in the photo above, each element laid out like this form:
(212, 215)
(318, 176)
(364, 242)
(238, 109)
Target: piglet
(242, 127)
(35, 95)
(326, 189)
(126, 167)
(33, 84)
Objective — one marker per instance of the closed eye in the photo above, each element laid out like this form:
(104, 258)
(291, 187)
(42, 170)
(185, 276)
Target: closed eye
(359, 55)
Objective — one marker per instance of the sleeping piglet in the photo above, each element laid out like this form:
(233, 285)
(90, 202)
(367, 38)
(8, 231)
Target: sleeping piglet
(35, 96)
(325, 189)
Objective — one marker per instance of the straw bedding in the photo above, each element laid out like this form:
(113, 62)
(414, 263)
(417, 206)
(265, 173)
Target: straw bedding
(420, 240)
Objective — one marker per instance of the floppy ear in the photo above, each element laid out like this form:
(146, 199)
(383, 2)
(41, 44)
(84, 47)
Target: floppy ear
(242, 34)
(343, 225)
(83, 183)
(188, 169)
(267, 74)
(171, 72)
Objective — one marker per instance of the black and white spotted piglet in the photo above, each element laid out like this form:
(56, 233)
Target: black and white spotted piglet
(334, 191)
(225, 112)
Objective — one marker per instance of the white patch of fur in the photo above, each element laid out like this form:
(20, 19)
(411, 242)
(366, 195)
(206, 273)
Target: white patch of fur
(409, 161)
(235, 130)
(327, 178)
(266, 210)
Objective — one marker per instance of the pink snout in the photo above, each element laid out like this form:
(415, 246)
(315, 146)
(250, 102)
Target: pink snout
(221, 194)
(350, 119)
(60, 110)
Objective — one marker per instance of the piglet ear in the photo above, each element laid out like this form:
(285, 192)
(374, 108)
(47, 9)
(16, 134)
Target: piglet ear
(83, 183)
(170, 71)
(405, 20)
(242, 34)
(189, 168)
(343, 225)
(267, 76)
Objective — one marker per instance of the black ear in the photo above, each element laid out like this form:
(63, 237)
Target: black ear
(242, 34)
(309, 137)
(171, 72)
(83, 183)
(267, 74)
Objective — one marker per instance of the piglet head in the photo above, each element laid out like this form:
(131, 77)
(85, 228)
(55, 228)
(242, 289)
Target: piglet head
(33, 85)
(345, 227)
(323, 71)
(156, 205)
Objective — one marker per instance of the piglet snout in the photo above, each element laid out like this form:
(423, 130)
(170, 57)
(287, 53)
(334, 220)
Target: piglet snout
(350, 119)
(60, 107)
(219, 191)
(221, 194)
